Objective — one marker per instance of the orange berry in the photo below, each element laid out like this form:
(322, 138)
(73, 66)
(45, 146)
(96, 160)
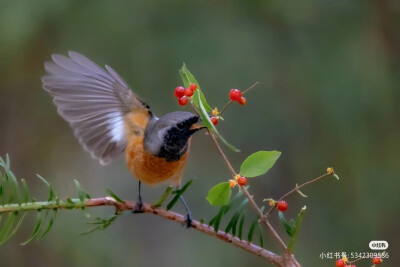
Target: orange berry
(339, 263)
(188, 92)
(242, 101)
(376, 260)
(242, 180)
(193, 87)
(282, 205)
(183, 100)
(214, 120)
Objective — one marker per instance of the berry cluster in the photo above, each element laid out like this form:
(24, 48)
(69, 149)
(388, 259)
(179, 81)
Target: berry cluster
(236, 95)
(183, 94)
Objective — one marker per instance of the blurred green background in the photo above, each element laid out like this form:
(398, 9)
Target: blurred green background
(329, 96)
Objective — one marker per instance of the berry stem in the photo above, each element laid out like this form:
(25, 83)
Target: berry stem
(230, 101)
(295, 190)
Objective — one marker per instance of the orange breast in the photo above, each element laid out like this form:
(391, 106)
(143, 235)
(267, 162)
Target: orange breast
(151, 169)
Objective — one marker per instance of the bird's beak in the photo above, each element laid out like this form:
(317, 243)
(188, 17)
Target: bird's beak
(197, 126)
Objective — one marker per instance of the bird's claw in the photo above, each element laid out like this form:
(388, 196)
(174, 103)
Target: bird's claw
(188, 221)
(139, 208)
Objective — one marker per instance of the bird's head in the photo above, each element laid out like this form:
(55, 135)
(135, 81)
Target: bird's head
(168, 136)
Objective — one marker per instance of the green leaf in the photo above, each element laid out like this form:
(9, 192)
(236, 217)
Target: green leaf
(8, 226)
(336, 176)
(224, 210)
(200, 102)
(219, 216)
(51, 222)
(259, 163)
(35, 232)
(81, 192)
(219, 194)
(261, 236)
(101, 224)
(233, 222)
(51, 191)
(178, 193)
(241, 223)
(289, 229)
(163, 197)
(253, 225)
(187, 79)
(25, 190)
(300, 193)
(111, 193)
(210, 126)
(296, 228)
(252, 228)
(21, 218)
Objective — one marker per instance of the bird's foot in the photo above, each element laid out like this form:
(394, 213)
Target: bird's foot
(188, 221)
(139, 207)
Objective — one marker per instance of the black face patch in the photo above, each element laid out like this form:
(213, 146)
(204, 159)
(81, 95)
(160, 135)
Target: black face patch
(176, 138)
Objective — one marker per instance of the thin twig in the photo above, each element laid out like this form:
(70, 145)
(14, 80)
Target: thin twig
(225, 107)
(294, 190)
(221, 152)
(250, 88)
(230, 101)
(361, 258)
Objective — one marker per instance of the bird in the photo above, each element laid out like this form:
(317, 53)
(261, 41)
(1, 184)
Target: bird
(109, 119)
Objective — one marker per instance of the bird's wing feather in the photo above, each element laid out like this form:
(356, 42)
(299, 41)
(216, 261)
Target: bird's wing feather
(94, 102)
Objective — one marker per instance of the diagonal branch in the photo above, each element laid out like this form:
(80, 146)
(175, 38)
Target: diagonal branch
(247, 194)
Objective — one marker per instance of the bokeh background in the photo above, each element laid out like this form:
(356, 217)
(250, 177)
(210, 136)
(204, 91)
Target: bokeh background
(329, 96)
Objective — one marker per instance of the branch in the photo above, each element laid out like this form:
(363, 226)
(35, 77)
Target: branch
(172, 216)
(296, 189)
(247, 194)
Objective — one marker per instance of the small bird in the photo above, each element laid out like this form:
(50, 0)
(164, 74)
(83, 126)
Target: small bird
(108, 118)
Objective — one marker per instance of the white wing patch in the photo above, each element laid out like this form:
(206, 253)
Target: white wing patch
(116, 124)
(93, 101)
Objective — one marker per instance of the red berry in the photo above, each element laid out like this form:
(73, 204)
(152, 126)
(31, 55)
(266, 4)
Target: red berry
(376, 260)
(242, 101)
(282, 205)
(193, 87)
(188, 92)
(179, 92)
(339, 263)
(242, 180)
(183, 100)
(214, 120)
(235, 95)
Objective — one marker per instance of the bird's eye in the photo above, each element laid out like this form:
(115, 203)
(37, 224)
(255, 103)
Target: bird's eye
(180, 126)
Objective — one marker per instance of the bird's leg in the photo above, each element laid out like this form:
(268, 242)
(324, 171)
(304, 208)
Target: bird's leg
(189, 218)
(139, 204)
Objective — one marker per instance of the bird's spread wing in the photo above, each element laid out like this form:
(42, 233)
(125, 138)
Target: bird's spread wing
(94, 102)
